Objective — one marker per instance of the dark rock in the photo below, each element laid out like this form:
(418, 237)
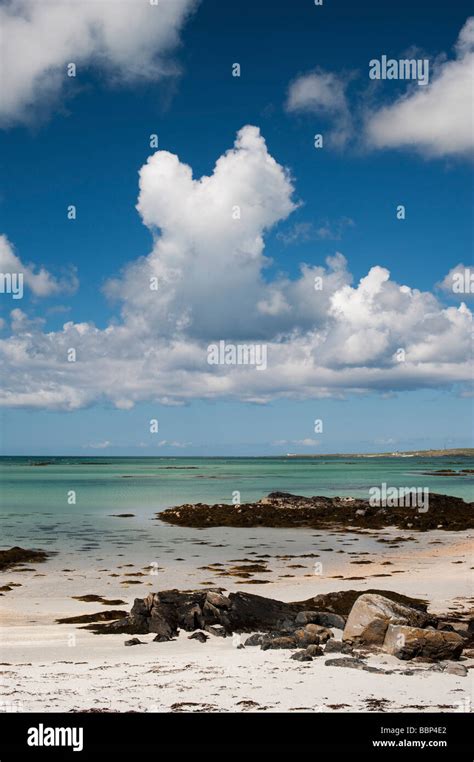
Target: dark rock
(166, 612)
(217, 599)
(301, 656)
(249, 612)
(134, 642)
(323, 618)
(278, 642)
(255, 639)
(15, 556)
(327, 619)
(306, 617)
(337, 646)
(201, 636)
(312, 634)
(314, 650)
(345, 662)
(280, 509)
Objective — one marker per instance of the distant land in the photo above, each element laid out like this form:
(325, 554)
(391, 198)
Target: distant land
(464, 451)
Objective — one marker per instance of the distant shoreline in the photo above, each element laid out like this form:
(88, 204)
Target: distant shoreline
(453, 452)
(464, 451)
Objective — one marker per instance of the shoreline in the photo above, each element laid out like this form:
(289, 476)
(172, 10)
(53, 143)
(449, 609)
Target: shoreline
(49, 666)
(52, 667)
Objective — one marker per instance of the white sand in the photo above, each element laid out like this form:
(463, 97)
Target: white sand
(51, 667)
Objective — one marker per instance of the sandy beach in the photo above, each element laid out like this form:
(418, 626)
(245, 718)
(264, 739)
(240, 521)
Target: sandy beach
(47, 666)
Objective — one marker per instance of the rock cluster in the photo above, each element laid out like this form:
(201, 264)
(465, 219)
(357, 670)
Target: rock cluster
(374, 621)
(281, 509)
(168, 611)
(400, 630)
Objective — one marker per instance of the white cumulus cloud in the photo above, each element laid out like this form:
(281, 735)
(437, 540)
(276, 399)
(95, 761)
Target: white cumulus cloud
(324, 334)
(436, 119)
(129, 40)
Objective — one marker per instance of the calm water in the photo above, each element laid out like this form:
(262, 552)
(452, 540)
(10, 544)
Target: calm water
(34, 498)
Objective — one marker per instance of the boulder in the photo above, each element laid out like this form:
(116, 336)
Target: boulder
(323, 618)
(198, 635)
(334, 646)
(279, 642)
(249, 612)
(217, 599)
(314, 650)
(342, 601)
(254, 640)
(312, 634)
(301, 656)
(407, 642)
(371, 615)
(306, 617)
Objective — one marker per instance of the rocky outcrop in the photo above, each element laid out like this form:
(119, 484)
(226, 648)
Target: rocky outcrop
(281, 509)
(406, 642)
(396, 624)
(16, 556)
(166, 612)
(371, 615)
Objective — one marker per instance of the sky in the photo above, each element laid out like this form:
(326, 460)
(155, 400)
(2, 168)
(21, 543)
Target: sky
(156, 204)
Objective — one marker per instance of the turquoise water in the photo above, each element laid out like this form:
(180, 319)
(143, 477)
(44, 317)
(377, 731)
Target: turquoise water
(134, 484)
(34, 498)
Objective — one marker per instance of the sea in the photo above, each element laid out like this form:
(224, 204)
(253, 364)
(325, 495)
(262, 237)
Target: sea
(72, 502)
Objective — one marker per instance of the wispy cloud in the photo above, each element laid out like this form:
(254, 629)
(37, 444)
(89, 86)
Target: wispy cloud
(326, 230)
(41, 282)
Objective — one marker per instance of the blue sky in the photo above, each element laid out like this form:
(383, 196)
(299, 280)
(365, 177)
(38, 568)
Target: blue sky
(85, 145)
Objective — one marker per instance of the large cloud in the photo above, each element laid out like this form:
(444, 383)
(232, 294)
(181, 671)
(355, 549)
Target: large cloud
(128, 39)
(436, 119)
(324, 336)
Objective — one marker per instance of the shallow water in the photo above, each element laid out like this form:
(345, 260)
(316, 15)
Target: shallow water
(34, 498)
